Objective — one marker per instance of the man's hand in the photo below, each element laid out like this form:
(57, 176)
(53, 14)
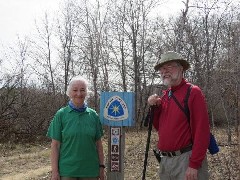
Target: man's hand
(191, 174)
(154, 100)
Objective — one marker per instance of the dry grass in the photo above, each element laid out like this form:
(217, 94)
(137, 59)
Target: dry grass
(24, 161)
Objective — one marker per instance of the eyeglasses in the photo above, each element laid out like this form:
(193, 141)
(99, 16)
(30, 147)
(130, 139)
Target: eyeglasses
(167, 67)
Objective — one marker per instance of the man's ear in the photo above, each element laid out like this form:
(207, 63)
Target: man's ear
(181, 67)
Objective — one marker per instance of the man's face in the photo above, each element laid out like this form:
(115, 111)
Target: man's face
(171, 73)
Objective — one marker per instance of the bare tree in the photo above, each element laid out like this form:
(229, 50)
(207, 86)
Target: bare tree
(68, 26)
(8, 101)
(130, 21)
(42, 52)
(94, 57)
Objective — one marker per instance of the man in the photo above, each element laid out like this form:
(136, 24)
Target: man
(182, 143)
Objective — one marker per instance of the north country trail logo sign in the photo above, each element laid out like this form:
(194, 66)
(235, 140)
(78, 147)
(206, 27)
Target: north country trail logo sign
(115, 109)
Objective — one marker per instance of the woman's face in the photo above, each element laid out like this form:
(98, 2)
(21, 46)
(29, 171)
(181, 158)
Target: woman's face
(78, 93)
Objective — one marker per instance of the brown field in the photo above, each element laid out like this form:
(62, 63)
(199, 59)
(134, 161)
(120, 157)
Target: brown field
(31, 161)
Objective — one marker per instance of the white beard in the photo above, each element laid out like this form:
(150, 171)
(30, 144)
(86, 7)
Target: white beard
(171, 79)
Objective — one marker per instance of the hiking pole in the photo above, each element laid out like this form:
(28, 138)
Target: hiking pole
(148, 139)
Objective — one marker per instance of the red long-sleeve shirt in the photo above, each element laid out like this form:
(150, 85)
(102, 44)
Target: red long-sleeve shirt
(173, 128)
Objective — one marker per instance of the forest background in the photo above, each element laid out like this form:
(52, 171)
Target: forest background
(115, 45)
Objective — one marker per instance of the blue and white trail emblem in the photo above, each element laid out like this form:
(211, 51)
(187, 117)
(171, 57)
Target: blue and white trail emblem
(115, 109)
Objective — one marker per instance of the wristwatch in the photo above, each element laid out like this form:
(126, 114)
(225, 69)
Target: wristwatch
(101, 165)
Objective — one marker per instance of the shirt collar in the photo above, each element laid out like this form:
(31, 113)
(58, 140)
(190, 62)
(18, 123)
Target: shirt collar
(174, 88)
(69, 109)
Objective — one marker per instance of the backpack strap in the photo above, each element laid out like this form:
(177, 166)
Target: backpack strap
(187, 112)
(185, 109)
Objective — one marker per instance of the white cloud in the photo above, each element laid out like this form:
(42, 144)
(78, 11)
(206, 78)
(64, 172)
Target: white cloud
(17, 16)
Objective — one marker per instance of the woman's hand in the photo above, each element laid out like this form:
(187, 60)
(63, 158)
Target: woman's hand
(101, 158)
(101, 176)
(55, 145)
(55, 176)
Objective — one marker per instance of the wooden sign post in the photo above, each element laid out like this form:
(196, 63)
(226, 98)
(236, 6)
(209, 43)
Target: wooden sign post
(116, 111)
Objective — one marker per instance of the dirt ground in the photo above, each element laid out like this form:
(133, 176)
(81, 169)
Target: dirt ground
(31, 161)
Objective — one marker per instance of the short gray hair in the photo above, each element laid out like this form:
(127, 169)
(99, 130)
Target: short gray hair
(74, 79)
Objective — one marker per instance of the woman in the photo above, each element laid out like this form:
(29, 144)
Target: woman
(76, 131)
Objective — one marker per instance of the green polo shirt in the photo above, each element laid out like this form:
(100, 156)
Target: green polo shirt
(78, 133)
